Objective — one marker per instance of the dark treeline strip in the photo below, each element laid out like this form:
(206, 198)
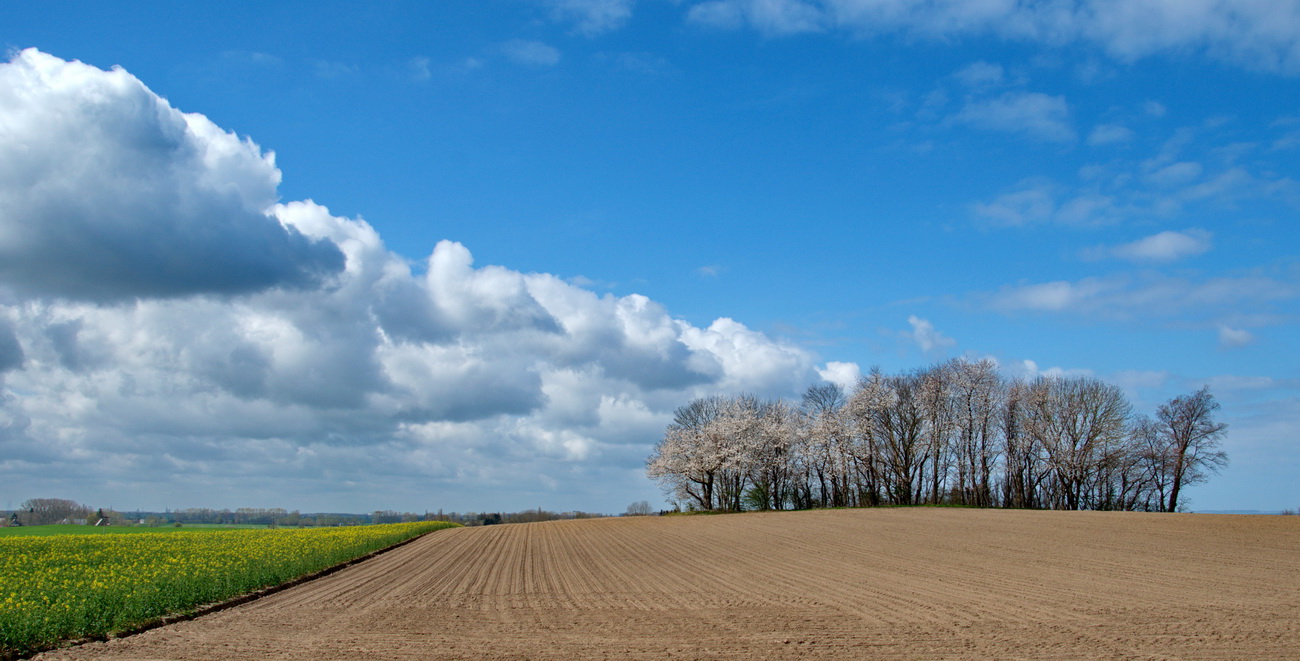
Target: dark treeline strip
(954, 433)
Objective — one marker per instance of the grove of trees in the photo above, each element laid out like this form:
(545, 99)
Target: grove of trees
(953, 433)
(45, 511)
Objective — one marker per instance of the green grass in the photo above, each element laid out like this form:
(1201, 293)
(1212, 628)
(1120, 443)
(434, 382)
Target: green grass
(60, 586)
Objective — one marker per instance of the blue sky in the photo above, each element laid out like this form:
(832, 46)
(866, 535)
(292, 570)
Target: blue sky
(1090, 186)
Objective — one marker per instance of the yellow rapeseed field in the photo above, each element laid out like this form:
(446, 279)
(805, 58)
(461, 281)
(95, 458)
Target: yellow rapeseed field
(74, 586)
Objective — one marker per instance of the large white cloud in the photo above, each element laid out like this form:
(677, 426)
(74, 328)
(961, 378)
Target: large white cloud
(107, 193)
(213, 346)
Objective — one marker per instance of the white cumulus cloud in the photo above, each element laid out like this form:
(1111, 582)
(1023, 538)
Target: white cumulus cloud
(108, 193)
(844, 375)
(162, 313)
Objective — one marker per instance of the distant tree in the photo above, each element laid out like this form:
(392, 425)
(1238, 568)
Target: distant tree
(1192, 437)
(385, 516)
(640, 508)
(45, 511)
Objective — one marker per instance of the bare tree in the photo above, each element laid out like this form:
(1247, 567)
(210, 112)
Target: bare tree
(1192, 437)
(935, 396)
(1019, 451)
(640, 508)
(1078, 421)
(45, 511)
(891, 413)
(977, 391)
(1155, 459)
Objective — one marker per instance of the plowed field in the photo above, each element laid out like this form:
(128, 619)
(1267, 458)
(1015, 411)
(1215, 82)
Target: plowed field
(885, 583)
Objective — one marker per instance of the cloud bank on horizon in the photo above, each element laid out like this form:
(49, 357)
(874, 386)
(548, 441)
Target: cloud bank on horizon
(162, 313)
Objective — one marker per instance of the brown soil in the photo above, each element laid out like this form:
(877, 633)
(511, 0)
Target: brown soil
(885, 583)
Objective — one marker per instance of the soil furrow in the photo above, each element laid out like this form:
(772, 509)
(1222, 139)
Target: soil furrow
(870, 584)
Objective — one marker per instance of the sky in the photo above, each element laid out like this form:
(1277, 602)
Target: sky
(471, 256)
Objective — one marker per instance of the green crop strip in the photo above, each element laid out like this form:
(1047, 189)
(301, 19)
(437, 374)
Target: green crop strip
(56, 588)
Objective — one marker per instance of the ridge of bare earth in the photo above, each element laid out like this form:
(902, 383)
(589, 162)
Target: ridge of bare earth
(876, 583)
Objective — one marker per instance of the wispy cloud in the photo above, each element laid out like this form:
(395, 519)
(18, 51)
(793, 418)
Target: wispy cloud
(1194, 166)
(1040, 116)
(1110, 134)
(332, 69)
(419, 68)
(1167, 246)
(1234, 337)
(593, 17)
(531, 53)
(1036, 201)
(926, 336)
(1257, 35)
(1146, 295)
(980, 75)
(771, 17)
(251, 58)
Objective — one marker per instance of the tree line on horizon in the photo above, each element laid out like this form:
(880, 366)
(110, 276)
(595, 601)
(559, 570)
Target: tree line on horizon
(49, 511)
(952, 433)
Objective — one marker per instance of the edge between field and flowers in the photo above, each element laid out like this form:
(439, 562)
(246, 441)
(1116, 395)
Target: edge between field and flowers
(71, 589)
